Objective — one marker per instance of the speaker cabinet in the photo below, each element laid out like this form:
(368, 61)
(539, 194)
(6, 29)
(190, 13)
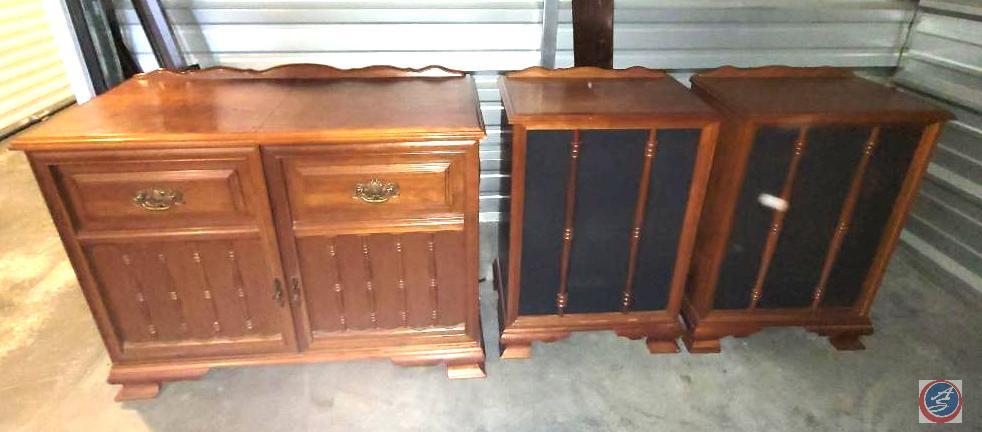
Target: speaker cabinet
(608, 174)
(812, 180)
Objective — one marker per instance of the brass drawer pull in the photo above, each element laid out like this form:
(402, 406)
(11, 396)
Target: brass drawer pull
(376, 191)
(158, 198)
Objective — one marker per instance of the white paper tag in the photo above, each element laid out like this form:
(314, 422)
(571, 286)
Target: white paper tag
(771, 201)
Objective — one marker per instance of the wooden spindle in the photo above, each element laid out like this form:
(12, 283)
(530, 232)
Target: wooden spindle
(239, 284)
(175, 299)
(338, 284)
(574, 156)
(777, 220)
(845, 216)
(141, 299)
(641, 203)
(369, 283)
(206, 291)
(401, 283)
(434, 288)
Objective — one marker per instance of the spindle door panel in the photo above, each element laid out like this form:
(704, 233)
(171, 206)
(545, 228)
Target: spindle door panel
(191, 298)
(602, 219)
(815, 172)
(838, 184)
(382, 281)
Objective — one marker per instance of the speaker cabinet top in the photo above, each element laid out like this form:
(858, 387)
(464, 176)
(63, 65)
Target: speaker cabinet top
(807, 95)
(541, 98)
(283, 105)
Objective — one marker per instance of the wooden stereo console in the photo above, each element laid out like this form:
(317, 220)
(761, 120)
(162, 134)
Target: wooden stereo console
(226, 217)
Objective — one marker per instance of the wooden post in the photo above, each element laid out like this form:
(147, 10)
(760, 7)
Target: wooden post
(593, 33)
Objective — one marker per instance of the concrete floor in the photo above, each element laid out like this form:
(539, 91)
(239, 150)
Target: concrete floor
(53, 367)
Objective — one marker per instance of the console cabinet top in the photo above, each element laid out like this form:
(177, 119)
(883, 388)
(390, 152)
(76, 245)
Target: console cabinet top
(779, 93)
(588, 95)
(293, 104)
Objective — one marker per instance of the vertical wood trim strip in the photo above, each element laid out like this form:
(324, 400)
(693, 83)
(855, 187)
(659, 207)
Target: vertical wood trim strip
(777, 221)
(713, 211)
(175, 298)
(240, 292)
(922, 157)
(141, 298)
(574, 156)
(279, 246)
(471, 241)
(206, 290)
(642, 202)
(401, 283)
(434, 289)
(338, 284)
(694, 211)
(369, 283)
(845, 217)
(516, 221)
(79, 257)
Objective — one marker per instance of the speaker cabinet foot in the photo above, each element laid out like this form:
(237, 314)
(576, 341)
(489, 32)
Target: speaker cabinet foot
(661, 346)
(466, 371)
(846, 342)
(516, 351)
(701, 346)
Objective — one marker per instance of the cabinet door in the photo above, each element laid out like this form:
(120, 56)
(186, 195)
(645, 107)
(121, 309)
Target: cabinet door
(389, 266)
(382, 281)
(839, 185)
(192, 298)
(175, 250)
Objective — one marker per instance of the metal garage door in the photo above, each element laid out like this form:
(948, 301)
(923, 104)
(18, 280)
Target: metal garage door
(32, 76)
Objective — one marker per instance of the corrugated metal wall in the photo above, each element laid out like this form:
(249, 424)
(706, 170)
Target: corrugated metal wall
(472, 35)
(488, 37)
(943, 61)
(706, 34)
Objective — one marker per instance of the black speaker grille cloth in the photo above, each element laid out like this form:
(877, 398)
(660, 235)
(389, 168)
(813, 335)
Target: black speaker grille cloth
(546, 165)
(607, 183)
(821, 185)
(766, 168)
(884, 176)
(668, 194)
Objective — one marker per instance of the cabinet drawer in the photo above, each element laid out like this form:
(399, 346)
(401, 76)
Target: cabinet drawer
(374, 186)
(179, 190)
